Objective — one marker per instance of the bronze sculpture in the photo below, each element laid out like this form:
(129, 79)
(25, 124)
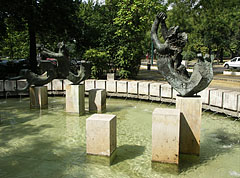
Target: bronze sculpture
(61, 67)
(170, 58)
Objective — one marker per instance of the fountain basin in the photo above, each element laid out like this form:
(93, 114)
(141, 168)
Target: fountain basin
(52, 143)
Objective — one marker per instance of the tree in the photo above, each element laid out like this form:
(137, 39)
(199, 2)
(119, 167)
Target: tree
(22, 12)
(14, 43)
(212, 25)
(132, 23)
(44, 19)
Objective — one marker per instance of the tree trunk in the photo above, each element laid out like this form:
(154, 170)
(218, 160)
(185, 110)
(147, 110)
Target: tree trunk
(33, 52)
(209, 50)
(232, 53)
(221, 55)
(32, 37)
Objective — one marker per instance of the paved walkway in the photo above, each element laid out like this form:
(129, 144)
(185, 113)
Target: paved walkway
(225, 82)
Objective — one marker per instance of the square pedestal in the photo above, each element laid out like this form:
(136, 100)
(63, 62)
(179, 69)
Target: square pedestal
(122, 86)
(155, 89)
(112, 86)
(144, 88)
(230, 100)
(165, 135)
(89, 84)
(57, 85)
(75, 101)
(101, 84)
(101, 134)
(1, 85)
(97, 100)
(133, 87)
(216, 97)
(38, 97)
(190, 126)
(10, 85)
(110, 76)
(166, 91)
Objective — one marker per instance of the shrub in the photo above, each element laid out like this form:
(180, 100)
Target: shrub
(99, 61)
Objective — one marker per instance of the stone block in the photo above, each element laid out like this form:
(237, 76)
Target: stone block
(65, 83)
(21, 84)
(101, 84)
(97, 100)
(155, 89)
(143, 88)
(230, 100)
(190, 123)
(10, 85)
(101, 134)
(154, 98)
(49, 86)
(216, 98)
(238, 105)
(101, 160)
(112, 86)
(122, 86)
(133, 87)
(165, 135)
(1, 86)
(174, 93)
(166, 91)
(57, 85)
(75, 98)
(205, 95)
(110, 76)
(89, 84)
(38, 97)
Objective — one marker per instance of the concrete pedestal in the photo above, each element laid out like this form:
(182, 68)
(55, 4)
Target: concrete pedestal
(101, 134)
(38, 97)
(75, 101)
(110, 76)
(89, 84)
(97, 100)
(112, 86)
(165, 135)
(191, 112)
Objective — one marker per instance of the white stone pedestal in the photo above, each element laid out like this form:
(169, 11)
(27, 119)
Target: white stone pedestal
(110, 76)
(97, 100)
(38, 97)
(101, 134)
(191, 112)
(165, 135)
(75, 101)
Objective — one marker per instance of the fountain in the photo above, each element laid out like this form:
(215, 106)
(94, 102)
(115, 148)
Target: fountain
(53, 143)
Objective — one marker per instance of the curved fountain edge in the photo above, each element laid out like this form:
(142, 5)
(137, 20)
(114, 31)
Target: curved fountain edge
(216, 100)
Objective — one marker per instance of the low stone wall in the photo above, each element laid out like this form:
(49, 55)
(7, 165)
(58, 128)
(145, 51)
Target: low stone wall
(230, 73)
(217, 100)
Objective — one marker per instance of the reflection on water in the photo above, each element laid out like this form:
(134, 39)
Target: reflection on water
(51, 143)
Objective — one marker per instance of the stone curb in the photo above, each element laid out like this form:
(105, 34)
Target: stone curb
(216, 100)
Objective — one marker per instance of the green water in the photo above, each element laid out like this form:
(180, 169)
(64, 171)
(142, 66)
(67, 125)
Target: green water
(51, 143)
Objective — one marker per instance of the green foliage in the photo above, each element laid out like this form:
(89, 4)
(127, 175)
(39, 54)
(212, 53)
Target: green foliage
(14, 44)
(188, 55)
(120, 28)
(132, 22)
(213, 26)
(116, 36)
(99, 61)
